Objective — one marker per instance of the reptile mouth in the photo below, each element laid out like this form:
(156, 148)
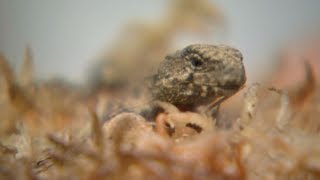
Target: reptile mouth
(232, 87)
(235, 85)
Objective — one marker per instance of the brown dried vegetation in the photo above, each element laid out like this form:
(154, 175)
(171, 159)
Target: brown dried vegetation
(53, 130)
(48, 132)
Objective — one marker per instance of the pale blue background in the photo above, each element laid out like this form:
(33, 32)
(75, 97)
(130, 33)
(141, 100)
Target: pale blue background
(66, 35)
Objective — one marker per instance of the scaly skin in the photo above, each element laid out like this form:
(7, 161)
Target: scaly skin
(197, 78)
(199, 75)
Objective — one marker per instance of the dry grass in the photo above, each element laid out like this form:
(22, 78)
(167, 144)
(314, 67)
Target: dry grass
(54, 130)
(50, 130)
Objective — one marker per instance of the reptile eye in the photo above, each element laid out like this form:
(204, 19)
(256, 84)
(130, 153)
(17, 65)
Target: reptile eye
(196, 62)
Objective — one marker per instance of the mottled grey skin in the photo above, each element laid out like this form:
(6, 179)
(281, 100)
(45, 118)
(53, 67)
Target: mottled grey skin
(198, 75)
(196, 78)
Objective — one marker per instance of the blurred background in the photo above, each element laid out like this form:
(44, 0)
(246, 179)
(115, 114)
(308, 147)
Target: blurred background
(96, 39)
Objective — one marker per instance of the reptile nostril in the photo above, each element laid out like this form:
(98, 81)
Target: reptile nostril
(190, 77)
